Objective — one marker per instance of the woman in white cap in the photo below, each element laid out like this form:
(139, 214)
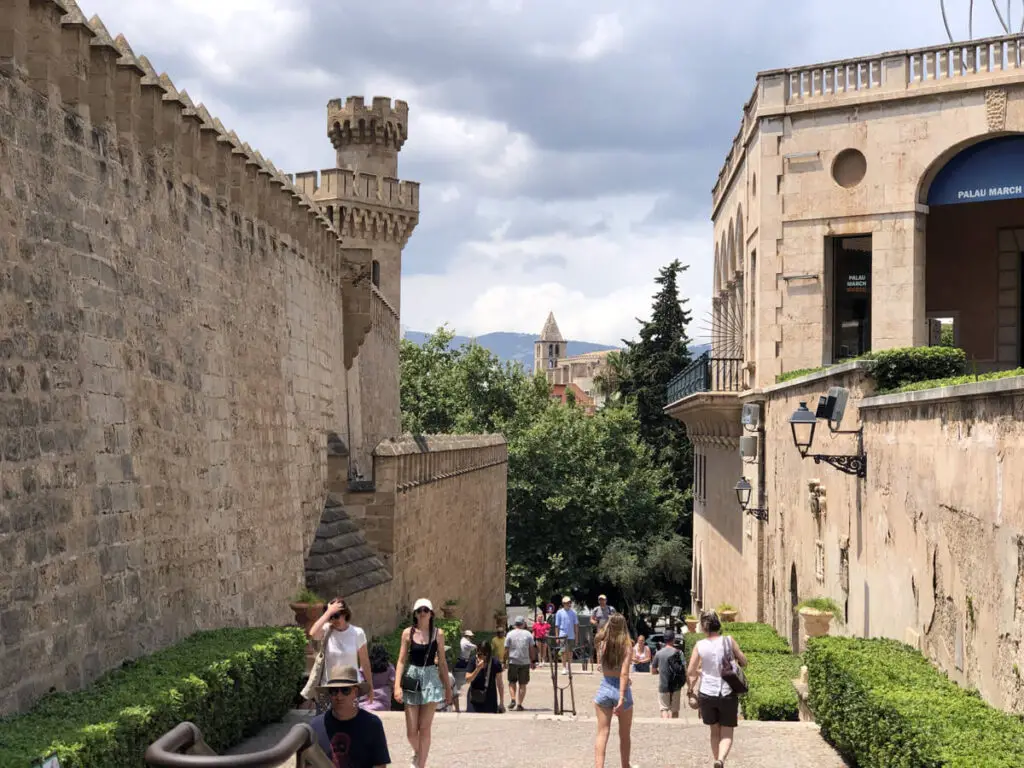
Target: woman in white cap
(422, 680)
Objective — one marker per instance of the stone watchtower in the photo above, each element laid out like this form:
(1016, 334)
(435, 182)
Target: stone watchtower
(374, 212)
(549, 348)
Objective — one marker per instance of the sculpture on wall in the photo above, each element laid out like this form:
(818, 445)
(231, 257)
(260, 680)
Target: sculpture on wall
(1005, 18)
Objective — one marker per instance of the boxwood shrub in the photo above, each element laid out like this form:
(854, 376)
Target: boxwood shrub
(229, 682)
(881, 703)
(894, 368)
(771, 670)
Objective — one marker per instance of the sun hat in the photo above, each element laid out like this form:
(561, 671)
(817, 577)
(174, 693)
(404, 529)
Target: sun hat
(423, 603)
(345, 677)
(468, 633)
(602, 597)
(566, 599)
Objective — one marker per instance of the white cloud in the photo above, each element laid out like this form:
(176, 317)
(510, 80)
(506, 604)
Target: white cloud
(606, 35)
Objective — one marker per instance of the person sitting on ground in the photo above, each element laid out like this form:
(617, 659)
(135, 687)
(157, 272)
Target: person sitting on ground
(383, 673)
(348, 735)
(671, 676)
(521, 657)
(486, 686)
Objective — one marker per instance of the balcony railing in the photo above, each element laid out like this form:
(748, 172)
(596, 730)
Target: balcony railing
(707, 374)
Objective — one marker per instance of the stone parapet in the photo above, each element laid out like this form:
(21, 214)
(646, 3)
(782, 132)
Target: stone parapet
(412, 461)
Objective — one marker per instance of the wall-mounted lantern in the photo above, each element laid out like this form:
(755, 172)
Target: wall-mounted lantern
(830, 408)
(743, 490)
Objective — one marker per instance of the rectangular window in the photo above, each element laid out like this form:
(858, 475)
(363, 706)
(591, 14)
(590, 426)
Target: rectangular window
(851, 297)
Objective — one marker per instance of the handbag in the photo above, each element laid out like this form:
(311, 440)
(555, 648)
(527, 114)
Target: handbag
(478, 696)
(733, 673)
(412, 684)
(316, 674)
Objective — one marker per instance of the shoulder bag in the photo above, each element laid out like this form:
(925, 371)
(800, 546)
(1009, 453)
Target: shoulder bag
(732, 672)
(412, 684)
(316, 674)
(478, 696)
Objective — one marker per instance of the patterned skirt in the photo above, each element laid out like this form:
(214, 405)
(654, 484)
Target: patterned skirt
(430, 690)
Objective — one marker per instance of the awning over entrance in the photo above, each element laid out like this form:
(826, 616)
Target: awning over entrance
(990, 170)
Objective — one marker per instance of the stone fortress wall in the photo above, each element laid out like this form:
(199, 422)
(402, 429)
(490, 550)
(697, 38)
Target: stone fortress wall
(188, 353)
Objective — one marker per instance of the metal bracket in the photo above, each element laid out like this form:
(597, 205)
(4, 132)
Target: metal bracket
(759, 514)
(850, 465)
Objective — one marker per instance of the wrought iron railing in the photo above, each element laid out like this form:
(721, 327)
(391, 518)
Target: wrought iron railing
(707, 374)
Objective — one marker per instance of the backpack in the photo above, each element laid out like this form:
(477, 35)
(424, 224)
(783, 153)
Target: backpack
(676, 671)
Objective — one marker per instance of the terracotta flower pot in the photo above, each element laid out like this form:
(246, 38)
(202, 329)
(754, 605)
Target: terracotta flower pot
(728, 617)
(451, 611)
(816, 623)
(306, 614)
(691, 625)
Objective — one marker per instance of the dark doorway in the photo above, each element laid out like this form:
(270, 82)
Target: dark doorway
(794, 629)
(851, 297)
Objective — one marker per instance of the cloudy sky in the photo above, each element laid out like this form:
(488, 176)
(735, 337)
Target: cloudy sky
(566, 148)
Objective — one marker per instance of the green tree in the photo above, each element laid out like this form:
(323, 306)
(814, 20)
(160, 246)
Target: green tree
(577, 482)
(464, 390)
(649, 364)
(646, 572)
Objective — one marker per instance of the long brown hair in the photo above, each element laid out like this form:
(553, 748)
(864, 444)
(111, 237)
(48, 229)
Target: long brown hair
(617, 645)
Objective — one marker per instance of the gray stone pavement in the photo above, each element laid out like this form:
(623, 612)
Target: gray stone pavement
(521, 738)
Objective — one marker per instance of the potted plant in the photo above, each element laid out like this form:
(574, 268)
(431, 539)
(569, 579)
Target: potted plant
(817, 613)
(691, 622)
(308, 607)
(727, 613)
(450, 609)
(501, 617)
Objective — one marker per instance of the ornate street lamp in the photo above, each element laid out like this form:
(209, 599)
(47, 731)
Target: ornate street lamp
(743, 490)
(803, 423)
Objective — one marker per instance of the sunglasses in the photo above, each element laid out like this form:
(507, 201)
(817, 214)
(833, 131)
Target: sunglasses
(423, 610)
(344, 690)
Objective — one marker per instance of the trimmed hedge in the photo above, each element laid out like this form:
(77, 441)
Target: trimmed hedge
(955, 380)
(881, 703)
(771, 670)
(895, 368)
(452, 633)
(229, 682)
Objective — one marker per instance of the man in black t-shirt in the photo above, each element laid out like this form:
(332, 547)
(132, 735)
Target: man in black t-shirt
(350, 736)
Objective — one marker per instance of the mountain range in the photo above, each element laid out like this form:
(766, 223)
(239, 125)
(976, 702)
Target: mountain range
(518, 347)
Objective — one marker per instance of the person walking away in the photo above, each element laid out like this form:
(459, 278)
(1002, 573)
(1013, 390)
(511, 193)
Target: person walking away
(541, 629)
(467, 652)
(382, 683)
(486, 686)
(670, 667)
(521, 657)
(641, 655)
(717, 702)
(343, 645)
(566, 622)
(348, 735)
(598, 619)
(423, 680)
(614, 694)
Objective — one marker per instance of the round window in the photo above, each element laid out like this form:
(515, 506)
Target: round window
(849, 167)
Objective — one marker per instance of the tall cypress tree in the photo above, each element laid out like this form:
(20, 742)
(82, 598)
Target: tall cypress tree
(650, 363)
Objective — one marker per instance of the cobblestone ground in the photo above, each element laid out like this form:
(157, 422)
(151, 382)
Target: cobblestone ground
(520, 738)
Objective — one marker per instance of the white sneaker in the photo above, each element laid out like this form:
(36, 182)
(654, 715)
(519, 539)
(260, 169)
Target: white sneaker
(415, 761)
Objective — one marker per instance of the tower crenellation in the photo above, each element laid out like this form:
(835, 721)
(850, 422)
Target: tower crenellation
(368, 138)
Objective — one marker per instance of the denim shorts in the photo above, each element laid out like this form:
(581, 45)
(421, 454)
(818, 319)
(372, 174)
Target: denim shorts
(608, 694)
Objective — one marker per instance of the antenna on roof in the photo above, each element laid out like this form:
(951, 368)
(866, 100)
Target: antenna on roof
(1005, 18)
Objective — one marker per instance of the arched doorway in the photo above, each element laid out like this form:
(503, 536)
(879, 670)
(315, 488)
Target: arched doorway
(974, 251)
(794, 628)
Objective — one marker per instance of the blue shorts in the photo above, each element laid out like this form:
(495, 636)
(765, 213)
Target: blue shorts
(608, 694)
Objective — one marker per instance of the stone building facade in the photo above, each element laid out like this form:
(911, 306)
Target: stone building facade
(584, 371)
(199, 364)
(863, 202)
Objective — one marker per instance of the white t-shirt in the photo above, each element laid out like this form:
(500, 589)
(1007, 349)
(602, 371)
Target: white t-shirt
(343, 649)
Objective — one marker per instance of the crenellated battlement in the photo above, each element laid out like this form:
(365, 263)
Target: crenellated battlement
(384, 123)
(358, 187)
(78, 64)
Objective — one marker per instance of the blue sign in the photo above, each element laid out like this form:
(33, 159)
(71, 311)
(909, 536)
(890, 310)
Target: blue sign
(989, 170)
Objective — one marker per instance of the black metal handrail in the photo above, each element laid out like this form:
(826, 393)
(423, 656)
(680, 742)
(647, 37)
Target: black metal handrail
(707, 374)
(183, 747)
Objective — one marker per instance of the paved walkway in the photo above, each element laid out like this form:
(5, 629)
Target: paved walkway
(519, 738)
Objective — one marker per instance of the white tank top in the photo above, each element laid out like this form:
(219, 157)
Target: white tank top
(712, 659)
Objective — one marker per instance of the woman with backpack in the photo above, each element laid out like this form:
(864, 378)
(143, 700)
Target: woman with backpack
(614, 695)
(712, 662)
